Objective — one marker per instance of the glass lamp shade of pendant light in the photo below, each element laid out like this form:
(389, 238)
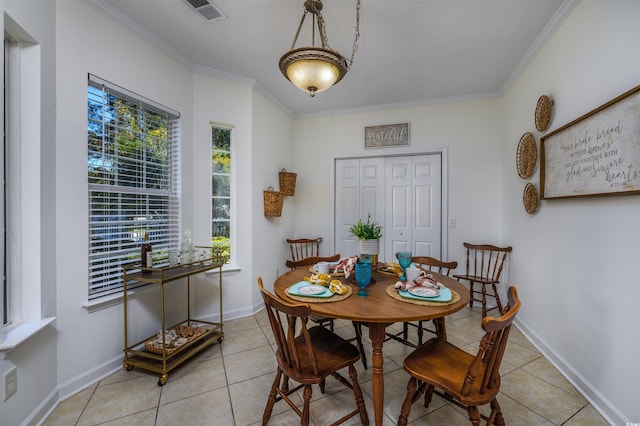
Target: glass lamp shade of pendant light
(315, 69)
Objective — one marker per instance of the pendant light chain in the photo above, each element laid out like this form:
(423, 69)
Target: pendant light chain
(355, 41)
(323, 32)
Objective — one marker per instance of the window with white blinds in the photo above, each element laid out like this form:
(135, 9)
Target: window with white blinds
(133, 165)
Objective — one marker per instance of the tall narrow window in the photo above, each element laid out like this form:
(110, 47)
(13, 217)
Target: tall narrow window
(133, 169)
(221, 191)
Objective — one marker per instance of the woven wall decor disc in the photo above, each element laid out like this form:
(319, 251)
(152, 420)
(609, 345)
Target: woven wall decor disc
(543, 113)
(526, 155)
(530, 198)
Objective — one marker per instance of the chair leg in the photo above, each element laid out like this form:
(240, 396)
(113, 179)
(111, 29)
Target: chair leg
(304, 421)
(428, 396)
(357, 327)
(272, 399)
(408, 401)
(496, 414)
(484, 300)
(474, 415)
(495, 294)
(420, 333)
(471, 293)
(357, 392)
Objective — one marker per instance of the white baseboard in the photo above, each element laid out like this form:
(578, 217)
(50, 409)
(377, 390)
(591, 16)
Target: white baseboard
(43, 410)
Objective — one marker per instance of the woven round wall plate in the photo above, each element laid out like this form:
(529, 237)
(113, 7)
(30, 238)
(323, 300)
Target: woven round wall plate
(526, 155)
(543, 113)
(530, 198)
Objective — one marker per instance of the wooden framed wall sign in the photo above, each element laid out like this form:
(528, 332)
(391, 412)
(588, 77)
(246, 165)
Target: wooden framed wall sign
(596, 154)
(386, 135)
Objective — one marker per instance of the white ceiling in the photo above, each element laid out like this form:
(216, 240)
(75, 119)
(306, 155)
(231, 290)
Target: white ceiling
(410, 51)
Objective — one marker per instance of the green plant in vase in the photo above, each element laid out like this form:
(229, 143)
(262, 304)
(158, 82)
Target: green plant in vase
(366, 230)
(368, 234)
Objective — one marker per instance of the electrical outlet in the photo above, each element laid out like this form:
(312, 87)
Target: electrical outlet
(10, 382)
(452, 223)
(277, 272)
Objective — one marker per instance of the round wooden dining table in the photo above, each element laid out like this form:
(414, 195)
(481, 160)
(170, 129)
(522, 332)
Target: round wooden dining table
(378, 310)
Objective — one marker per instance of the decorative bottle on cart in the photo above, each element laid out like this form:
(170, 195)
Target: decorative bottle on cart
(146, 252)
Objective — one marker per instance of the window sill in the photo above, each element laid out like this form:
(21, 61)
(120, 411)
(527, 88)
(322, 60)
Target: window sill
(226, 270)
(112, 300)
(116, 299)
(22, 332)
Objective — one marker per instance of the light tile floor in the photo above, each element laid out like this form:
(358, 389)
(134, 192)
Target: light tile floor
(228, 384)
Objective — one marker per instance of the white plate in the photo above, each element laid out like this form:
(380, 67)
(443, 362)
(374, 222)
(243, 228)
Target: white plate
(311, 289)
(424, 291)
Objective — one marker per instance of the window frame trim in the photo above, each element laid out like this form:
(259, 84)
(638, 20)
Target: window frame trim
(23, 141)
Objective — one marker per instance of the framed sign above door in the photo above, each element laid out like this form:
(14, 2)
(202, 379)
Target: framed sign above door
(386, 135)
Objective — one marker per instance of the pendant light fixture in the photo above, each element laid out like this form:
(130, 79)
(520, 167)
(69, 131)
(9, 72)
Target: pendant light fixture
(314, 69)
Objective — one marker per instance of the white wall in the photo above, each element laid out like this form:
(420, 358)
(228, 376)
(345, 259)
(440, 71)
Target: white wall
(574, 261)
(36, 385)
(468, 131)
(272, 151)
(261, 147)
(91, 344)
(223, 103)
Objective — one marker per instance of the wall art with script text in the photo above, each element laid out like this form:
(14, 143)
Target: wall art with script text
(386, 135)
(596, 154)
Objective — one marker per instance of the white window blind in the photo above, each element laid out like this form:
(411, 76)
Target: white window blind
(133, 164)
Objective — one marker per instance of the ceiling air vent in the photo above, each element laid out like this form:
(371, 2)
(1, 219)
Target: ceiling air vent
(207, 9)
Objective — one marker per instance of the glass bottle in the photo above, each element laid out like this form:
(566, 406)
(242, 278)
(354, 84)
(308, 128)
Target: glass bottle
(146, 252)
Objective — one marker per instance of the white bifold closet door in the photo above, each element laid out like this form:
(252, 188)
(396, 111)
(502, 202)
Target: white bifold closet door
(359, 192)
(403, 193)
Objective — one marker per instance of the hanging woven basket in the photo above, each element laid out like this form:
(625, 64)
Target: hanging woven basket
(273, 202)
(287, 182)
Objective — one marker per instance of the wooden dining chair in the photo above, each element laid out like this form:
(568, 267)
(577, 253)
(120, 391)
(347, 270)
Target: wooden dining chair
(484, 266)
(428, 264)
(464, 379)
(321, 319)
(307, 356)
(311, 260)
(304, 247)
(306, 263)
